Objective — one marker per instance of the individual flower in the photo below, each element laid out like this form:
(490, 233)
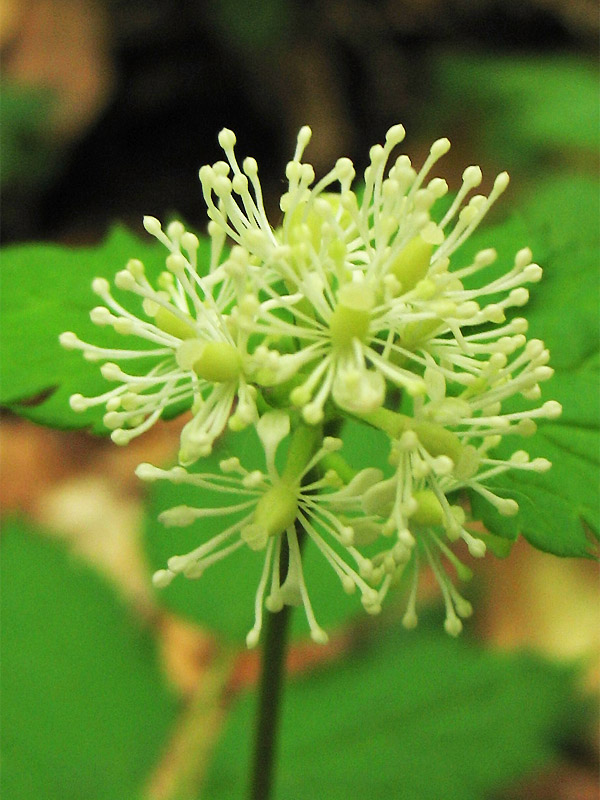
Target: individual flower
(267, 507)
(361, 282)
(198, 351)
(443, 447)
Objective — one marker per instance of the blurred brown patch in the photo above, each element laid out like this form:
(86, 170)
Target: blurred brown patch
(62, 46)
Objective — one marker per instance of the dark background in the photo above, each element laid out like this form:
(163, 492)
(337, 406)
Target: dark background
(136, 92)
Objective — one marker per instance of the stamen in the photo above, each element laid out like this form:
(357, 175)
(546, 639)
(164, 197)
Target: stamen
(254, 633)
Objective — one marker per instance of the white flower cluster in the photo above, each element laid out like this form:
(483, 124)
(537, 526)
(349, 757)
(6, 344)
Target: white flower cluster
(355, 305)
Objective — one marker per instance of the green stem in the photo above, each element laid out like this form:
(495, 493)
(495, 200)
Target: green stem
(389, 422)
(436, 439)
(270, 693)
(304, 442)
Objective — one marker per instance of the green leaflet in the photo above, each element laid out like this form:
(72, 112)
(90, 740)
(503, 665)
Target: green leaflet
(46, 289)
(85, 709)
(559, 509)
(416, 715)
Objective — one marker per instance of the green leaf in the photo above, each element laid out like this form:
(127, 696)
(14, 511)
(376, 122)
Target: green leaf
(223, 598)
(415, 715)
(560, 508)
(47, 290)
(561, 213)
(85, 709)
(530, 106)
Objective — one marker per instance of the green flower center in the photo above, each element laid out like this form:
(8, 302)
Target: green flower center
(438, 441)
(277, 509)
(174, 325)
(275, 512)
(411, 264)
(352, 315)
(429, 510)
(217, 362)
(304, 220)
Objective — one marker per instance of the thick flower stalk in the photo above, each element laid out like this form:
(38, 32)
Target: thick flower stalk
(269, 506)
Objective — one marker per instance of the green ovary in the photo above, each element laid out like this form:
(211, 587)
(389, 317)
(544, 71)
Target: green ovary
(169, 323)
(352, 316)
(305, 235)
(439, 441)
(314, 222)
(429, 511)
(218, 362)
(411, 264)
(277, 509)
(415, 333)
(347, 324)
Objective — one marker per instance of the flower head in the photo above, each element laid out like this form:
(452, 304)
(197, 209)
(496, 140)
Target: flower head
(198, 350)
(365, 279)
(356, 303)
(443, 447)
(269, 506)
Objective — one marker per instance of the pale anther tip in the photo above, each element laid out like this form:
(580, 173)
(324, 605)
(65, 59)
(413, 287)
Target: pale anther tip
(121, 437)
(77, 402)
(145, 472)
(472, 175)
(552, 409)
(100, 286)
(502, 181)
(151, 224)
(227, 139)
(319, 636)
(304, 135)
(68, 339)
(395, 134)
(440, 147)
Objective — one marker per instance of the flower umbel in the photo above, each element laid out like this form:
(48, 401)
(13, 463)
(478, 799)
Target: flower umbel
(358, 304)
(270, 505)
(199, 356)
(368, 279)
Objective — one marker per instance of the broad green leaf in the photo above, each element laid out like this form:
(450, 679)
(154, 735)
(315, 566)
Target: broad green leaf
(223, 598)
(562, 214)
(531, 105)
(559, 508)
(85, 709)
(414, 715)
(47, 290)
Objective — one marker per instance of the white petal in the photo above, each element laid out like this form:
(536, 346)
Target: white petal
(272, 428)
(366, 531)
(380, 497)
(362, 391)
(436, 383)
(359, 484)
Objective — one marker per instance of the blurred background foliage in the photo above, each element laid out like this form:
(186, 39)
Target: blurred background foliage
(108, 109)
(140, 89)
